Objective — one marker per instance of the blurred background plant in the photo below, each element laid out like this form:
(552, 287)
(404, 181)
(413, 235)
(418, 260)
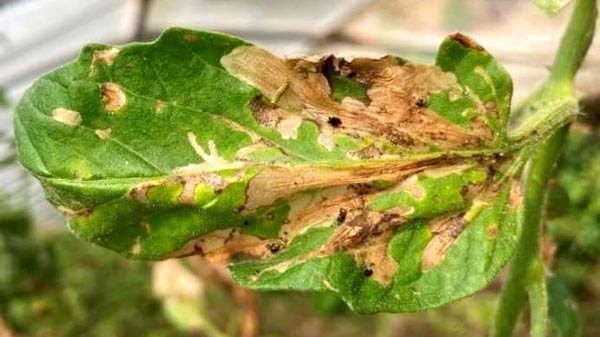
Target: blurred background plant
(52, 284)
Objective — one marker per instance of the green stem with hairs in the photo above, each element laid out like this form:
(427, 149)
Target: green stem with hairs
(514, 293)
(574, 45)
(526, 278)
(538, 299)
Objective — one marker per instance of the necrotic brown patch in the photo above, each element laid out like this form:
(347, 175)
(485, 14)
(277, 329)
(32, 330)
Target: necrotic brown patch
(366, 153)
(516, 194)
(279, 182)
(492, 232)
(103, 133)
(67, 116)
(140, 191)
(106, 56)
(375, 257)
(190, 37)
(366, 235)
(113, 96)
(299, 86)
(159, 106)
(445, 232)
(222, 244)
(269, 115)
(189, 188)
(72, 213)
(466, 41)
(265, 113)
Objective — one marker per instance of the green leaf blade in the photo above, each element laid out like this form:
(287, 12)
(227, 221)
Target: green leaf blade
(378, 179)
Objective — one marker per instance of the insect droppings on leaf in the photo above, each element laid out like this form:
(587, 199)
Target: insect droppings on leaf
(274, 247)
(334, 121)
(342, 216)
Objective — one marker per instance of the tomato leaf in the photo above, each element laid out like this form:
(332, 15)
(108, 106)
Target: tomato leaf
(387, 182)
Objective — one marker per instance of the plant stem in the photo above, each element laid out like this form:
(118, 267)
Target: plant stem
(555, 104)
(538, 299)
(536, 177)
(527, 271)
(574, 45)
(511, 301)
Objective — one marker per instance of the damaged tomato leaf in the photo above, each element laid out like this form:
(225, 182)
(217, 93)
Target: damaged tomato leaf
(389, 183)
